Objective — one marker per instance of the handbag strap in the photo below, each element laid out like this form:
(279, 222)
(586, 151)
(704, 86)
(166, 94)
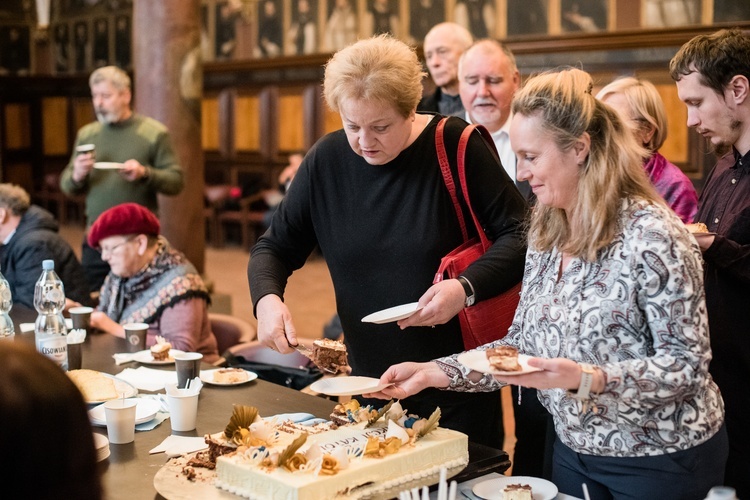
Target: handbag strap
(448, 177)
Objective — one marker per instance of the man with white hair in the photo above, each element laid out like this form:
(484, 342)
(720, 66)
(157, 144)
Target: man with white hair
(443, 46)
(137, 151)
(488, 78)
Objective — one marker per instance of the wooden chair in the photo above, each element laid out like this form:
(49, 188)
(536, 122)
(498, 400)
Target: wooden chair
(215, 198)
(248, 218)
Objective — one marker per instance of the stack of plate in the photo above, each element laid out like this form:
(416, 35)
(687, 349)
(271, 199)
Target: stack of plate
(145, 411)
(101, 443)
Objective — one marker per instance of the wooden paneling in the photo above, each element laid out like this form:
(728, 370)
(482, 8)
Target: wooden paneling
(291, 122)
(331, 121)
(55, 138)
(247, 123)
(17, 126)
(676, 148)
(83, 112)
(210, 123)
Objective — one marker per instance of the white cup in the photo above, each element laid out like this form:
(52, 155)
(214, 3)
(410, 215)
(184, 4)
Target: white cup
(120, 415)
(183, 410)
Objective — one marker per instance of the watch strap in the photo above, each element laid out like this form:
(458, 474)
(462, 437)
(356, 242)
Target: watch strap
(468, 290)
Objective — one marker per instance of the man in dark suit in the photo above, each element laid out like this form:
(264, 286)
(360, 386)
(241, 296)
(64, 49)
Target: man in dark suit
(443, 45)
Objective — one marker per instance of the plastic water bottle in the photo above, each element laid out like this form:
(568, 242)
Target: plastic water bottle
(7, 330)
(49, 329)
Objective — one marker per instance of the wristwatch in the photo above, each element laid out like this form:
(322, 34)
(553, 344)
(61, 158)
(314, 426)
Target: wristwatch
(469, 290)
(587, 380)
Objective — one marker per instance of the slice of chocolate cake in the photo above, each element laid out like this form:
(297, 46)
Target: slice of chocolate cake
(329, 355)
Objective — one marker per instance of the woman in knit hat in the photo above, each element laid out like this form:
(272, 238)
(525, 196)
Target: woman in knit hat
(149, 282)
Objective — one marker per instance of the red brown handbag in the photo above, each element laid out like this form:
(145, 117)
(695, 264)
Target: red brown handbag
(488, 320)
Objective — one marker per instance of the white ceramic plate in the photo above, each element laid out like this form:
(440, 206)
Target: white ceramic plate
(477, 361)
(541, 489)
(207, 376)
(392, 314)
(102, 447)
(145, 411)
(347, 386)
(146, 358)
(108, 165)
(121, 386)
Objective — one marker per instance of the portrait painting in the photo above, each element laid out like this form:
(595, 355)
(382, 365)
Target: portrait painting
(100, 42)
(477, 16)
(61, 47)
(666, 13)
(342, 26)
(302, 34)
(731, 11)
(270, 32)
(15, 56)
(423, 15)
(583, 15)
(527, 17)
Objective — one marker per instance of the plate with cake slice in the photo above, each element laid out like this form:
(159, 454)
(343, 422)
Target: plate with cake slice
(147, 357)
(504, 362)
(227, 376)
(518, 487)
(347, 386)
(98, 387)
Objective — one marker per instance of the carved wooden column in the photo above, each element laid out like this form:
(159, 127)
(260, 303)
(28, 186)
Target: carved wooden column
(168, 79)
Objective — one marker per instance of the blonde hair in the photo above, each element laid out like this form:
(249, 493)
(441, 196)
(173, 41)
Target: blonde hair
(112, 74)
(645, 104)
(380, 69)
(611, 172)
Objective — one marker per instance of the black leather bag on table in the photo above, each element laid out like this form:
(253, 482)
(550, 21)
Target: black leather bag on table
(489, 319)
(294, 378)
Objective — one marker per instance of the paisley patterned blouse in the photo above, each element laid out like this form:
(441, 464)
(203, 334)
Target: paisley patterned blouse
(638, 313)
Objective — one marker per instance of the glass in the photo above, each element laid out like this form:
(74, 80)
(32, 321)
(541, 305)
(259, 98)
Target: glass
(109, 251)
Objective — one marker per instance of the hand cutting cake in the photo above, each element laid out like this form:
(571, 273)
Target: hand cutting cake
(503, 358)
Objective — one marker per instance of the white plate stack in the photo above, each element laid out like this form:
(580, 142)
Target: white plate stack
(101, 443)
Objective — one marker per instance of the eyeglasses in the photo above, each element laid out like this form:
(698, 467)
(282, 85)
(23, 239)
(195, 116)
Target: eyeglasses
(110, 251)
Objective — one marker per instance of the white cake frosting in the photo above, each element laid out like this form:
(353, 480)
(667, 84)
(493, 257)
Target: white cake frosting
(358, 476)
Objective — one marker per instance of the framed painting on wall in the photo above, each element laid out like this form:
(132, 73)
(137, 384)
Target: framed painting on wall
(61, 47)
(15, 57)
(666, 13)
(731, 10)
(302, 34)
(270, 34)
(583, 15)
(527, 17)
(101, 42)
(423, 15)
(342, 25)
(81, 46)
(477, 16)
(381, 17)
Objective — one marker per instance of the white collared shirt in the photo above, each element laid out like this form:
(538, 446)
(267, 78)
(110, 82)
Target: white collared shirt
(502, 143)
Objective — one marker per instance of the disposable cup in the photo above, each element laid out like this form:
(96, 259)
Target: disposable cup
(183, 411)
(85, 148)
(75, 358)
(135, 334)
(120, 415)
(188, 366)
(81, 318)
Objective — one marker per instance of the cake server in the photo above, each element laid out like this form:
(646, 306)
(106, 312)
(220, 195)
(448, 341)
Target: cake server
(307, 352)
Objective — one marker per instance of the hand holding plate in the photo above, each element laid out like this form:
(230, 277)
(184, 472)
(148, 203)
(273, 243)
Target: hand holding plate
(439, 304)
(407, 379)
(559, 373)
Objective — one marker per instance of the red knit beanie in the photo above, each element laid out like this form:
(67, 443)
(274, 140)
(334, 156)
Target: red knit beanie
(127, 218)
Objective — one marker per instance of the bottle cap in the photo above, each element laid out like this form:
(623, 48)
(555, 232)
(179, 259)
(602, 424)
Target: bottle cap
(48, 264)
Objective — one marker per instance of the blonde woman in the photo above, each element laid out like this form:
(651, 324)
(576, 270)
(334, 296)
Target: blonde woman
(612, 306)
(640, 105)
(373, 198)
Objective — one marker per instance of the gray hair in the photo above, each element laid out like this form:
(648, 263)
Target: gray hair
(112, 74)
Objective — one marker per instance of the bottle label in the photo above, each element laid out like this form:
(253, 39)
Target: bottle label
(54, 295)
(56, 348)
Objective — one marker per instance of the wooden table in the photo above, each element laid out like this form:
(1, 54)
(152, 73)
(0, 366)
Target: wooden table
(129, 471)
